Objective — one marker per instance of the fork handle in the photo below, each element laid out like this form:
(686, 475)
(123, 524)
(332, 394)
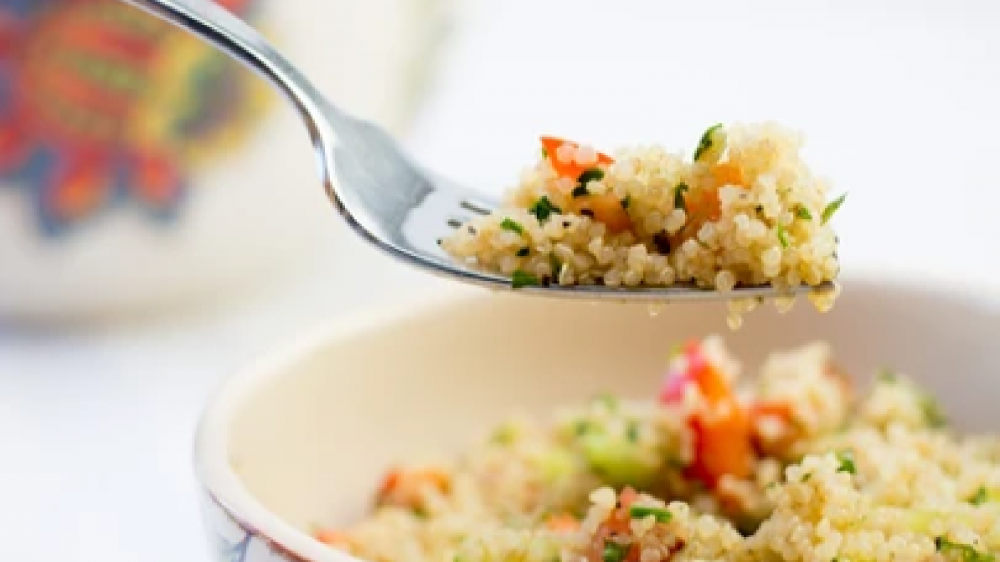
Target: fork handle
(219, 27)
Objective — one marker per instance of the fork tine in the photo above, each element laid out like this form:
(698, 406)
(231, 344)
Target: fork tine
(475, 207)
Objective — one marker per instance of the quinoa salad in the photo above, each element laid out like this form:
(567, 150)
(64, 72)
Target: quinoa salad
(744, 211)
(793, 464)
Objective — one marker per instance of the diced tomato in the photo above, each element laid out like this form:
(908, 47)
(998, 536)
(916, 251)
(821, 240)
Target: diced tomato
(727, 173)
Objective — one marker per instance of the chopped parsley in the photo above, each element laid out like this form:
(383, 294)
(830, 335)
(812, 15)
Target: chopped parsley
(523, 252)
(580, 191)
(846, 459)
(679, 192)
(545, 153)
(932, 412)
(609, 400)
(661, 514)
(832, 208)
(803, 213)
(782, 236)
(581, 427)
(613, 551)
(888, 376)
(706, 141)
(543, 208)
(626, 202)
(980, 497)
(512, 225)
(554, 264)
(632, 431)
(961, 551)
(806, 477)
(523, 279)
(590, 174)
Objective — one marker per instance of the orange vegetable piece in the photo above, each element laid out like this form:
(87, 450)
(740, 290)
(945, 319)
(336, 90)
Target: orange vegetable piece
(606, 208)
(570, 170)
(333, 538)
(562, 523)
(727, 173)
(723, 443)
(400, 487)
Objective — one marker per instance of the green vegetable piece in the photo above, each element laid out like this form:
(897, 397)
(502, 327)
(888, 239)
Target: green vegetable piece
(708, 141)
(543, 208)
(782, 236)
(545, 153)
(980, 497)
(581, 427)
(963, 552)
(832, 208)
(679, 192)
(806, 477)
(523, 279)
(613, 551)
(847, 465)
(523, 252)
(580, 191)
(618, 461)
(626, 202)
(661, 514)
(512, 225)
(803, 213)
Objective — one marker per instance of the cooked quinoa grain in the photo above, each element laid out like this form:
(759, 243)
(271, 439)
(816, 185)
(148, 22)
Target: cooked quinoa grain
(745, 211)
(796, 465)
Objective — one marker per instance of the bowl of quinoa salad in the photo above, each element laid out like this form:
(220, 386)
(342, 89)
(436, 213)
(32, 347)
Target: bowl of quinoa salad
(744, 210)
(506, 429)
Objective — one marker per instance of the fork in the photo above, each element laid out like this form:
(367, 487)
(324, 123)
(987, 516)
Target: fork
(391, 201)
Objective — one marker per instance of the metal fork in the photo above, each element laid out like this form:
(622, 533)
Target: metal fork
(388, 199)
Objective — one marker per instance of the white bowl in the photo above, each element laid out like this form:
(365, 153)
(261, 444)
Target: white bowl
(301, 437)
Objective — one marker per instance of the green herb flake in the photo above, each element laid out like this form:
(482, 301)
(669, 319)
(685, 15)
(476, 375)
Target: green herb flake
(580, 191)
(661, 514)
(610, 401)
(679, 192)
(782, 236)
(613, 551)
(523, 279)
(543, 209)
(626, 202)
(523, 252)
(832, 208)
(933, 414)
(581, 427)
(846, 459)
(806, 477)
(980, 497)
(963, 552)
(503, 435)
(554, 264)
(803, 213)
(706, 141)
(887, 376)
(512, 225)
(632, 431)
(590, 174)
(545, 153)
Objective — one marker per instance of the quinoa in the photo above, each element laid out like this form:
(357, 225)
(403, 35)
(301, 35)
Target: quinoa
(796, 464)
(745, 211)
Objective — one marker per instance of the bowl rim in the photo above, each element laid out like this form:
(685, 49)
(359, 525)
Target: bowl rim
(211, 447)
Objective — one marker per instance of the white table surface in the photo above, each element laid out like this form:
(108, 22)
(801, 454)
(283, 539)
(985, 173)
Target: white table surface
(897, 99)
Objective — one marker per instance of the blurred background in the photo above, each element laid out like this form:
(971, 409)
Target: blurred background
(160, 220)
